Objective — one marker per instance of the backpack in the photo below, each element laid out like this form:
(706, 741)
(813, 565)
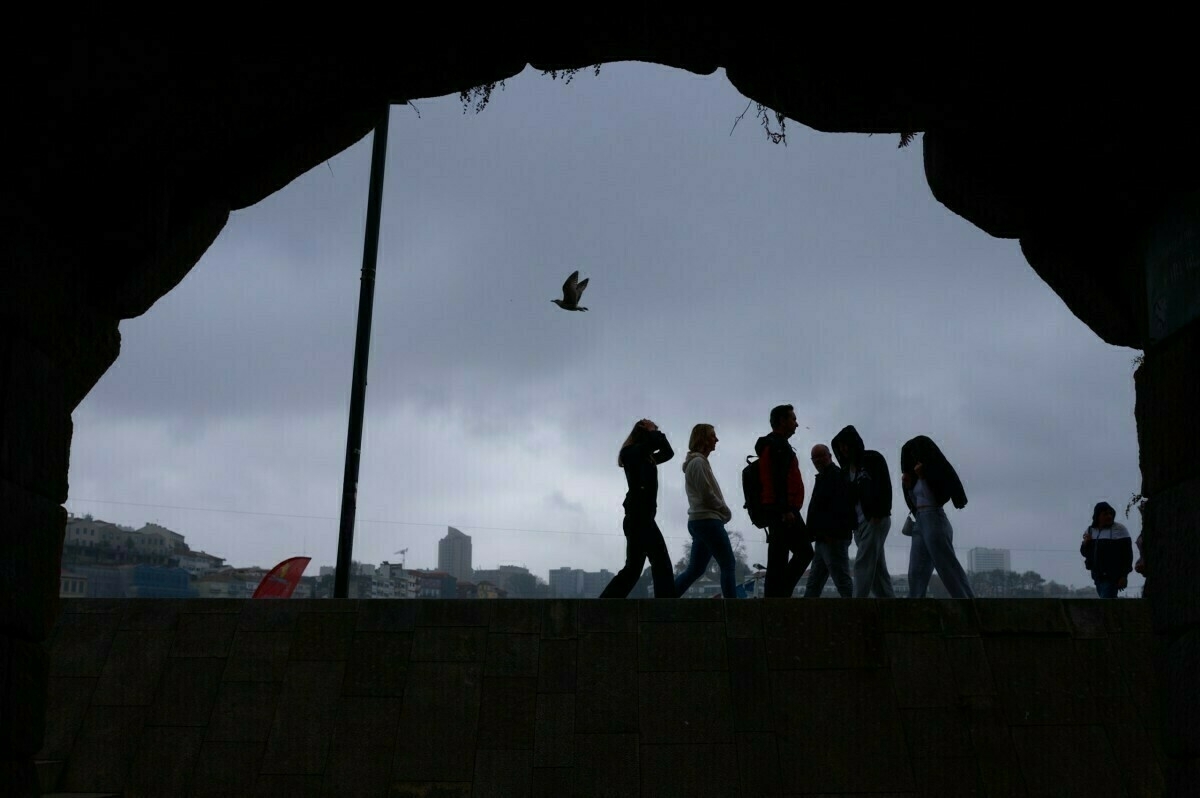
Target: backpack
(752, 490)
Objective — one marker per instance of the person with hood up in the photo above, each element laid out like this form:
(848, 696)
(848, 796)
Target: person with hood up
(1107, 551)
(707, 515)
(871, 491)
(929, 481)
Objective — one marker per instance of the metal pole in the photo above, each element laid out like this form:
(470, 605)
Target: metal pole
(362, 346)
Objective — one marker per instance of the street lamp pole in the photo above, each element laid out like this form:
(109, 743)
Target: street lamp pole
(362, 346)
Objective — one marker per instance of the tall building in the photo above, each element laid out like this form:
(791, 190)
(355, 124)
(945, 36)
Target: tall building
(566, 582)
(980, 560)
(454, 554)
(594, 582)
(501, 576)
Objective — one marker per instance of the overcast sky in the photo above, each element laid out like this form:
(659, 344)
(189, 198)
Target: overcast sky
(727, 275)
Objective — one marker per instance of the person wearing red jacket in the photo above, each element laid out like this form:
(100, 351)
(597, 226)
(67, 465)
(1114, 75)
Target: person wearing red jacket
(783, 496)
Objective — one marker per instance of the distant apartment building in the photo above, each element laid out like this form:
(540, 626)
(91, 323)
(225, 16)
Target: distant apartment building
(90, 541)
(171, 541)
(85, 532)
(500, 576)
(103, 581)
(566, 582)
(72, 585)
(594, 582)
(407, 585)
(154, 549)
(486, 590)
(135, 581)
(454, 554)
(230, 583)
(198, 563)
(980, 560)
(152, 581)
(569, 582)
(436, 585)
(356, 569)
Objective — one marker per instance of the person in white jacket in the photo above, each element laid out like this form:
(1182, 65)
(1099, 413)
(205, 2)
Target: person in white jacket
(707, 515)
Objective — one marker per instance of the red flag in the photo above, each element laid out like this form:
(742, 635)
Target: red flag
(282, 579)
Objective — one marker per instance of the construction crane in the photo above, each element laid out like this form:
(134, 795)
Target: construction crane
(401, 552)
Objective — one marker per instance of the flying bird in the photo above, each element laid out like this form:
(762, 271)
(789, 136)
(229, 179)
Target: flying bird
(572, 291)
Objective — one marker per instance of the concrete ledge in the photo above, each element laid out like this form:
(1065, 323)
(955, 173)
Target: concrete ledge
(356, 697)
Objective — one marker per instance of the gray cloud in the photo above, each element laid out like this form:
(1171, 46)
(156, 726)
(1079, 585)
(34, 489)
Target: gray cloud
(558, 501)
(727, 275)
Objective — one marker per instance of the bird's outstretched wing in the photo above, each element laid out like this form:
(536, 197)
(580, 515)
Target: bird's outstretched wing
(579, 288)
(571, 288)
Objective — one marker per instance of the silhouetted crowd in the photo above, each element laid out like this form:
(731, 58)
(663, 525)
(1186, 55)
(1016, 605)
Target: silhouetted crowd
(851, 501)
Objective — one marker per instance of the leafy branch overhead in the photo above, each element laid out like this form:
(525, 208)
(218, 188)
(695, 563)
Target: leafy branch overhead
(481, 95)
(764, 115)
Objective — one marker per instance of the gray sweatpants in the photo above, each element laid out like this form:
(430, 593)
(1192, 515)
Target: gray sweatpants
(870, 565)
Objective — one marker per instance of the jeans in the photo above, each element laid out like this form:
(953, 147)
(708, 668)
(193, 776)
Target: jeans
(933, 548)
(643, 539)
(1106, 589)
(830, 559)
(870, 566)
(783, 574)
(709, 540)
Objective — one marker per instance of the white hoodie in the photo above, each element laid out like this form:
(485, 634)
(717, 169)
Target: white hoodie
(703, 492)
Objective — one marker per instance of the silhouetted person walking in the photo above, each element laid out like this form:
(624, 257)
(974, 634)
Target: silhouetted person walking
(640, 456)
(831, 523)
(707, 515)
(783, 496)
(929, 481)
(871, 490)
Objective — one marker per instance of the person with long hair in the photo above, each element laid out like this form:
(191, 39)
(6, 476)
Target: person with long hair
(707, 515)
(640, 455)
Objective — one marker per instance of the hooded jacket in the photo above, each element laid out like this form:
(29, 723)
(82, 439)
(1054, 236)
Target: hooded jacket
(704, 494)
(936, 470)
(1109, 554)
(872, 485)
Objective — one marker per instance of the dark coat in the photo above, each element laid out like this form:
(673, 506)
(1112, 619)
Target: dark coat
(1109, 554)
(640, 461)
(939, 475)
(831, 513)
(872, 486)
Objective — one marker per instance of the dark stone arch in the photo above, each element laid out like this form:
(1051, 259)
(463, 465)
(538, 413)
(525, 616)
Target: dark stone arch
(131, 144)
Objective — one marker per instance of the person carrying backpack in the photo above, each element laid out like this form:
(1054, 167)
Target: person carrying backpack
(780, 500)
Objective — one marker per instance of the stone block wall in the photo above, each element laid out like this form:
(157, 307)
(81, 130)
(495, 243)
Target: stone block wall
(613, 698)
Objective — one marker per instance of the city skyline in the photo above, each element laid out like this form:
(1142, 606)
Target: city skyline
(583, 583)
